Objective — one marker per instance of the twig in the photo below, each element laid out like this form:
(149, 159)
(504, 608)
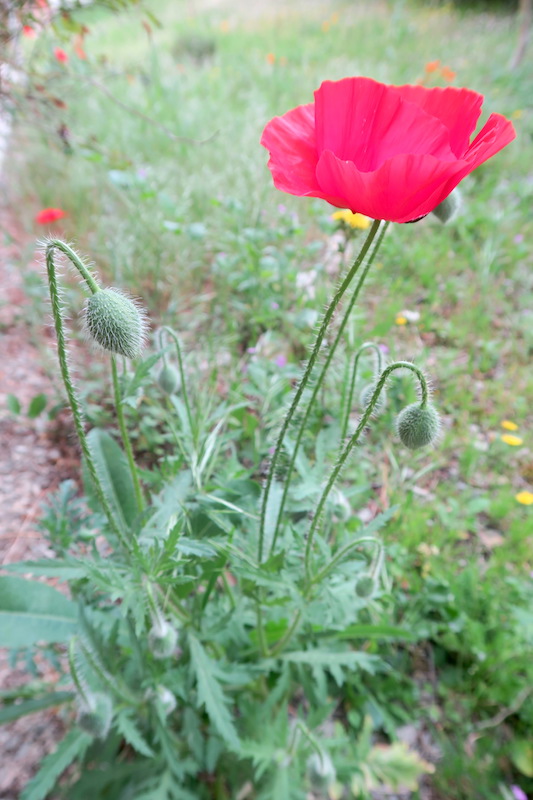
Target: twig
(146, 118)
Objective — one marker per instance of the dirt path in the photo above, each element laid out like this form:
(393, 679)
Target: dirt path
(32, 463)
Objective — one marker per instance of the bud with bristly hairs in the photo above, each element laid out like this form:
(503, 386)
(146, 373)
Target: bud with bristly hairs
(116, 322)
(418, 425)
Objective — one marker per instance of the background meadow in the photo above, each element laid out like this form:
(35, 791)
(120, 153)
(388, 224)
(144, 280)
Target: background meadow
(148, 138)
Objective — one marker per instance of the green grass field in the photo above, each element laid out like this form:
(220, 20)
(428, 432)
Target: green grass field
(156, 159)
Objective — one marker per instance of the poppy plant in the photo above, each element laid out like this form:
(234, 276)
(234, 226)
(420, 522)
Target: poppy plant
(60, 55)
(390, 152)
(49, 215)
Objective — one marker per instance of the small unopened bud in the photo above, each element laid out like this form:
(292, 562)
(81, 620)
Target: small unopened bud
(116, 322)
(365, 586)
(169, 379)
(320, 771)
(418, 425)
(167, 699)
(366, 396)
(449, 207)
(162, 639)
(95, 714)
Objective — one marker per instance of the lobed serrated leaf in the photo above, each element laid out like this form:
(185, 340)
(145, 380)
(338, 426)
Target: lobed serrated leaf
(71, 747)
(211, 694)
(132, 735)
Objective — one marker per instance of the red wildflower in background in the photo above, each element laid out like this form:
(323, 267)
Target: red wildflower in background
(60, 55)
(390, 152)
(28, 32)
(48, 215)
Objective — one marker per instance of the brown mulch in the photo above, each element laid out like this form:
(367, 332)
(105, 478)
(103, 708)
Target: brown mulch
(34, 458)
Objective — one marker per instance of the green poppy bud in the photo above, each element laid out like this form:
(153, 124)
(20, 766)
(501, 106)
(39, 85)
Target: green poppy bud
(320, 771)
(365, 586)
(95, 714)
(418, 425)
(449, 207)
(116, 322)
(162, 639)
(167, 699)
(366, 396)
(169, 379)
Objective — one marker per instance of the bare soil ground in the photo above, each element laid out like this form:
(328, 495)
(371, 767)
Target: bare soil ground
(35, 456)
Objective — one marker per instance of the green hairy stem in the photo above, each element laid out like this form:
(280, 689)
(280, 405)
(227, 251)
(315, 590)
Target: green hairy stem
(305, 379)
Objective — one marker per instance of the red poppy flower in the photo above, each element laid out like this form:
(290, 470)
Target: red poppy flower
(48, 215)
(60, 55)
(28, 32)
(390, 152)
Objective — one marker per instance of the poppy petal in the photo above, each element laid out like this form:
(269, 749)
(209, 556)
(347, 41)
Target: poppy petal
(458, 109)
(290, 139)
(401, 190)
(367, 122)
(496, 134)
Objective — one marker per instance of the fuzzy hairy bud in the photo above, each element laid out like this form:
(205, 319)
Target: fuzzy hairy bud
(418, 425)
(449, 207)
(95, 714)
(169, 379)
(365, 586)
(167, 699)
(320, 771)
(115, 322)
(162, 639)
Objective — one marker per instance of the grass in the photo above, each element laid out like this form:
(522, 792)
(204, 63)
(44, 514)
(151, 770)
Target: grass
(191, 222)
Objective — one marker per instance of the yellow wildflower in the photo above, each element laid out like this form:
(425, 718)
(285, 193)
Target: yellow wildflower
(517, 114)
(353, 220)
(401, 320)
(525, 497)
(325, 26)
(224, 26)
(508, 438)
(508, 425)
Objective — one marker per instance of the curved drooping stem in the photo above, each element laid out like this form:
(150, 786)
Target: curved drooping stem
(352, 441)
(75, 407)
(184, 389)
(349, 397)
(320, 381)
(305, 379)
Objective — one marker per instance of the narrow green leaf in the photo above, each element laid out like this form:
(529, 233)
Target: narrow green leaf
(141, 372)
(50, 567)
(71, 747)
(13, 404)
(16, 710)
(372, 632)
(211, 694)
(37, 405)
(113, 470)
(32, 612)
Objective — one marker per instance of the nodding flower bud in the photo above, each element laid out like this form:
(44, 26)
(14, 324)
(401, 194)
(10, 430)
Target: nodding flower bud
(418, 425)
(366, 396)
(365, 586)
(169, 379)
(95, 714)
(320, 771)
(449, 207)
(116, 322)
(167, 699)
(162, 639)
